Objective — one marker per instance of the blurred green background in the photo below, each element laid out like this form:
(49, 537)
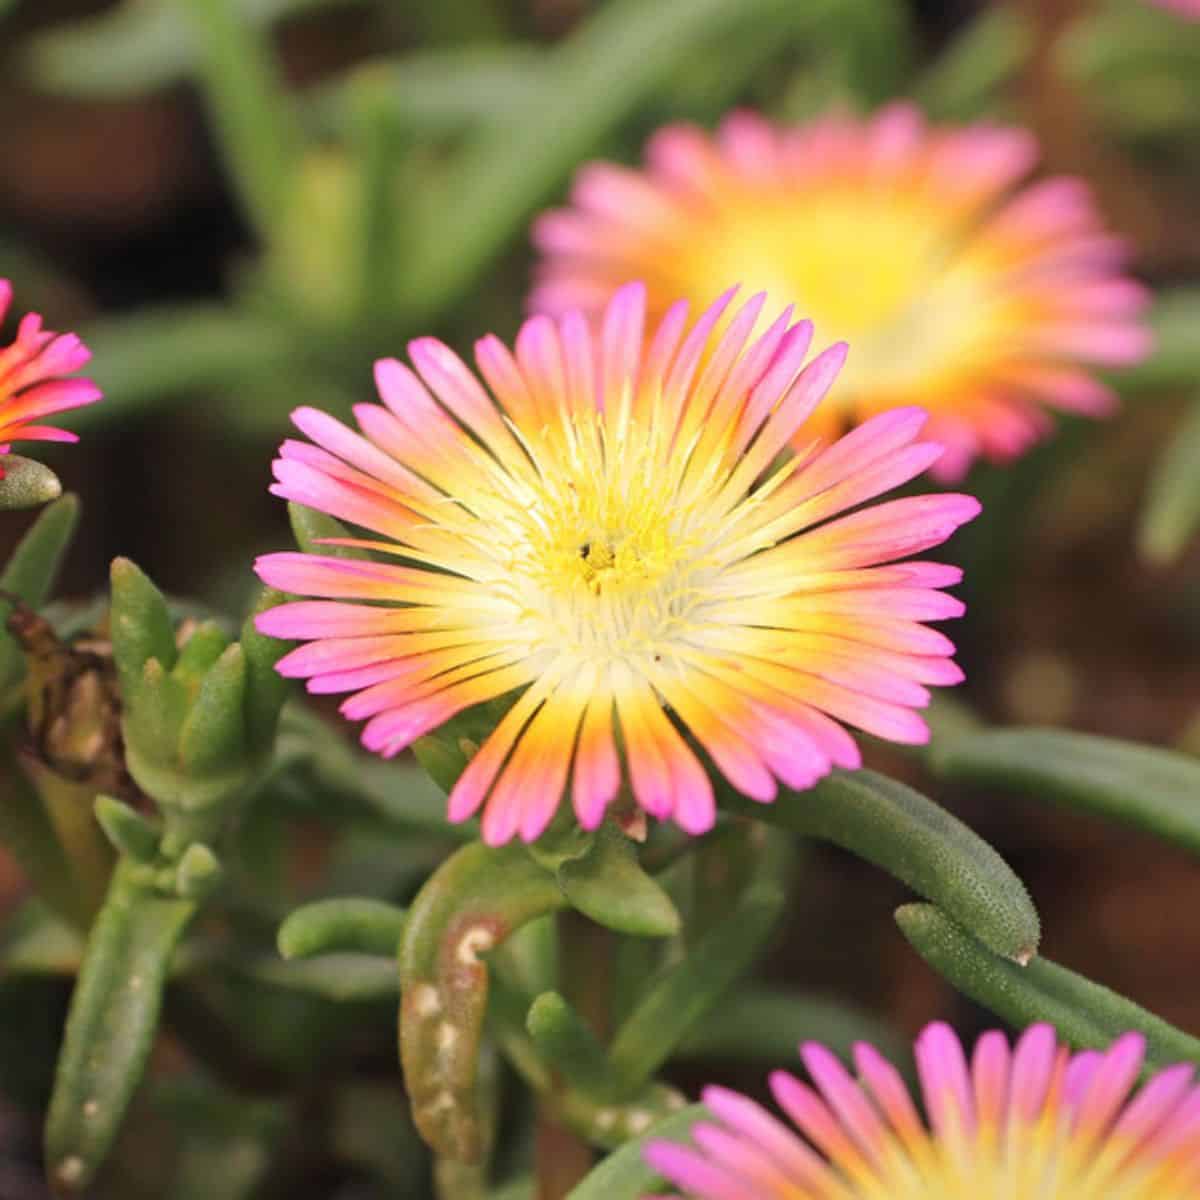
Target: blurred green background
(240, 203)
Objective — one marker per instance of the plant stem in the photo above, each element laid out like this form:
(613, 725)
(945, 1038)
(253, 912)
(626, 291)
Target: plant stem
(584, 972)
(562, 1158)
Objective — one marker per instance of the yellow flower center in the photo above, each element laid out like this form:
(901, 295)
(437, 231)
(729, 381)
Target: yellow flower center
(598, 558)
(882, 277)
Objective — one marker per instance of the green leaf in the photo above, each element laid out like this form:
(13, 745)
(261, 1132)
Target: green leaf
(446, 752)
(681, 995)
(130, 833)
(26, 483)
(1175, 361)
(1143, 786)
(985, 57)
(434, 93)
(362, 926)
(309, 526)
(1138, 66)
(600, 1122)
(213, 737)
(877, 44)
(918, 842)
(155, 709)
(37, 941)
(1171, 514)
(608, 67)
(31, 836)
(1084, 1013)
(474, 900)
(246, 100)
(570, 1047)
(607, 884)
(147, 359)
(266, 689)
(757, 1022)
(624, 1175)
(197, 656)
(381, 224)
(400, 793)
(32, 568)
(142, 628)
(134, 47)
(344, 978)
(111, 1025)
(197, 874)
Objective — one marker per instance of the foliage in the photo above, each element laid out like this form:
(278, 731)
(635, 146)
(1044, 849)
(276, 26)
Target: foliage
(259, 900)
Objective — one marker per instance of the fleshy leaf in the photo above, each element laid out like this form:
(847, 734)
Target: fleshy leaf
(1085, 1014)
(678, 998)
(141, 625)
(112, 1022)
(1143, 786)
(1171, 516)
(468, 907)
(569, 1046)
(624, 1174)
(31, 569)
(918, 842)
(356, 925)
(608, 885)
(26, 483)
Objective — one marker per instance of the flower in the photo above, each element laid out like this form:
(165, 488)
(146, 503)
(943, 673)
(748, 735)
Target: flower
(609, 533)
(979, 302)
(33, 383)
(1188, 9)
(1029, 1123)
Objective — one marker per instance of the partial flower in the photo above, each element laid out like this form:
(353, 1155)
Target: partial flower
(1188, 9)
(608, 532)
(1031, 1122)
(984, 301)
(34, 381)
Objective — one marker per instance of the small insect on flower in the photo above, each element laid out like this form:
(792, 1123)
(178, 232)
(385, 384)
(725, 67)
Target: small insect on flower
(611, 533)
(1033, 1122)
(983, 303)
(33, 380)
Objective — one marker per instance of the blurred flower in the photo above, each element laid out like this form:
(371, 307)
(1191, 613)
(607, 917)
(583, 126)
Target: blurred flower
(32, 380)
(978, 303)
(1190, 9)
(1033, 1121)
(613, 534)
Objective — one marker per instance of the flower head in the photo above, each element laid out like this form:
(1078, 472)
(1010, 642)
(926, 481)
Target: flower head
(33, 380)
(611, 533)
(1031, 1122)
(981, 303)
(1188, 9)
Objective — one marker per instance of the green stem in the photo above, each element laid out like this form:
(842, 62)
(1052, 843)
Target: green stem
(563, 1159)
(584, 963)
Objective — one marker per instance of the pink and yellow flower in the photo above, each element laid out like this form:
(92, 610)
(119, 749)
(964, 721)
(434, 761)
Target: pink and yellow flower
(607, 531)
(33, 380)
(981, 301)
(1031, 1122)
